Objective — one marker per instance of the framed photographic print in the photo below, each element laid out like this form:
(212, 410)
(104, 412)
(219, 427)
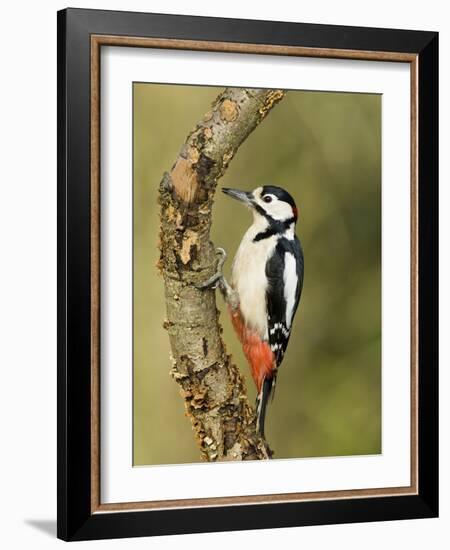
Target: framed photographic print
(247, 257)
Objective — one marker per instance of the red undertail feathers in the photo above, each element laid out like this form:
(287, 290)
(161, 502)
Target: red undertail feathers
(257, 351)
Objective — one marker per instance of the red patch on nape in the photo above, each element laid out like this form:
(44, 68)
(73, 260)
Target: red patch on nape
(258, 353)
(295, 211)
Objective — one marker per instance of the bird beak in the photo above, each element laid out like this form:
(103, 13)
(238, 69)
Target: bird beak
(242, 196)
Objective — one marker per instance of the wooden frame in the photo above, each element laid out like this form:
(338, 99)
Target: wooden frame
(81, 34)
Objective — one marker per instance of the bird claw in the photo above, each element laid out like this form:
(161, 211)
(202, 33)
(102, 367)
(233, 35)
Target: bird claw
(211, 283)
(214, 281)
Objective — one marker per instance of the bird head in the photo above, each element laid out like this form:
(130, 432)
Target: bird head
(271, 202)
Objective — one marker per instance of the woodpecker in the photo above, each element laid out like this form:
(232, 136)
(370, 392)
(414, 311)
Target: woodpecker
(265, 287)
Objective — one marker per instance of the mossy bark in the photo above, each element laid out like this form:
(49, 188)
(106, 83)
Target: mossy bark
(211, 385)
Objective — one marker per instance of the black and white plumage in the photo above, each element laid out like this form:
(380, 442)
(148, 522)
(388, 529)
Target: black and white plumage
(284, 272)
(266, 284)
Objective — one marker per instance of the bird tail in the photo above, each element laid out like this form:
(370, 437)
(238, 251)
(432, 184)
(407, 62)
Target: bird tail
(261, 404)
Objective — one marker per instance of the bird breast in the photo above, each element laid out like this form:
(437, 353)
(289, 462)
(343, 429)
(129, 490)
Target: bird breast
(249, 280)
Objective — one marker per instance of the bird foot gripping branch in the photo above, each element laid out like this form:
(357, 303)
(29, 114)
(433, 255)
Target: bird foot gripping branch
(218, 281)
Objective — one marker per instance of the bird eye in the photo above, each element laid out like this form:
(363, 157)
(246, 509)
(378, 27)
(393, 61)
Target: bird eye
(267, 198)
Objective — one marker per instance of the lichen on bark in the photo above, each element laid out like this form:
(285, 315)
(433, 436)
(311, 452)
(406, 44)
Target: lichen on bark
(213, 389)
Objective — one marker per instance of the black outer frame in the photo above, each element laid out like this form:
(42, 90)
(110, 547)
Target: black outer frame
(75, 521)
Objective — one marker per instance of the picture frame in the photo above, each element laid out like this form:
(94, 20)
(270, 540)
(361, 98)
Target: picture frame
(81, 36)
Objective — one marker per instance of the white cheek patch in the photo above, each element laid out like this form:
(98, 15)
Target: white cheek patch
(280, 210)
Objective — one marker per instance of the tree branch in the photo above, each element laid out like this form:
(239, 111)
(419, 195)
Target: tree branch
(214, 391)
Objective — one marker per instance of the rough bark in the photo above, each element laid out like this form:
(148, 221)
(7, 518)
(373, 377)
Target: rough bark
(214, 392)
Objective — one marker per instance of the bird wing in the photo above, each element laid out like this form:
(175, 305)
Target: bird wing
(284, 272)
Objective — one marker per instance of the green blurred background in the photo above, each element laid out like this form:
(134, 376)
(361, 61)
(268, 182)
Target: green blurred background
(325, 149)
